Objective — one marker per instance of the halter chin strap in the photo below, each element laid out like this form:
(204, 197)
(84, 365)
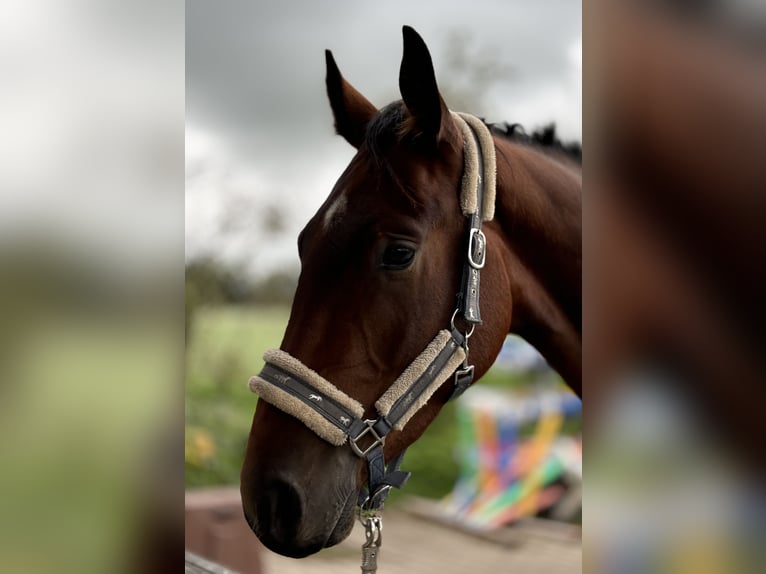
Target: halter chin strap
(297, 390)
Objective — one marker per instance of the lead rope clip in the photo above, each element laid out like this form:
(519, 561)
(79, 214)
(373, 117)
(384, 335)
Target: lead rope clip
(373, 534)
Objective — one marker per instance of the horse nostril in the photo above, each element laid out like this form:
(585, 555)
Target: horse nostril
(279, 508)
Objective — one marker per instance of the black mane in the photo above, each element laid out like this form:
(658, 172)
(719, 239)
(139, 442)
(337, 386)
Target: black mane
(387, 127)
(544, 137)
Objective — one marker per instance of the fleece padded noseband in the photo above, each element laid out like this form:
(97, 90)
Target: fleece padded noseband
(297, 390)
(289, 385)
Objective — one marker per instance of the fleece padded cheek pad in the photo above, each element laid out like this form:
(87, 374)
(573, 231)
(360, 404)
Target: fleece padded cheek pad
(412, 373)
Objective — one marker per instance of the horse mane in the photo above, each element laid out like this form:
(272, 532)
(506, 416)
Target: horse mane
(544, 137)
(390, 126)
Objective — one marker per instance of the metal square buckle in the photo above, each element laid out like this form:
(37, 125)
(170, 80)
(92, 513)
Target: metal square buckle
(377, 439)
(463, 379)
(477, 243)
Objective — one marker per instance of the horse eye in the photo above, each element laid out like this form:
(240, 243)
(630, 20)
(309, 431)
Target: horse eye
(397, 256)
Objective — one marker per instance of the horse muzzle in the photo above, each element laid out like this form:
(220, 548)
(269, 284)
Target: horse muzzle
(286, 522)
(298, 493)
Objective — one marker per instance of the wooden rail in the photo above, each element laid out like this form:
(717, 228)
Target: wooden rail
(197, 565)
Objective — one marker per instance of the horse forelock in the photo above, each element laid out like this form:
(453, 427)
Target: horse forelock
(387, 128)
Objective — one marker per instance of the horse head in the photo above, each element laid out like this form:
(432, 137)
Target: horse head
(381, 263)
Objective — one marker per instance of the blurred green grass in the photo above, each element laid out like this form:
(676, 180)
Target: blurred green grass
(226, 348)
(84, 428)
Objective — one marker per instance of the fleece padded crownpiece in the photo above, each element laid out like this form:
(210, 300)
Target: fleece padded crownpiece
(414, 371)
(470, 125)
(293, 406)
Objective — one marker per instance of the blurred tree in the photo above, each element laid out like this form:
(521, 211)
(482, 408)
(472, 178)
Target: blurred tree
(211, 282)
(277, 288)
(208, 282)
(471, 72)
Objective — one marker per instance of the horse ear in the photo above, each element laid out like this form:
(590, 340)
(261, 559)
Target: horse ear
(352, 111)
(417, 84)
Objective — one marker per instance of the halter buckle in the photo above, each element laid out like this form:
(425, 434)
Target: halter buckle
(368, 429)
(477, 244)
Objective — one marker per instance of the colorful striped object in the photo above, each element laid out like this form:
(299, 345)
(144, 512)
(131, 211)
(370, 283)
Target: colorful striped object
(512, 454)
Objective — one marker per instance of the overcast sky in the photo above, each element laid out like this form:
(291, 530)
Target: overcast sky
(261, 154)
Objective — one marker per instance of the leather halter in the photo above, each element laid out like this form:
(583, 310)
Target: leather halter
(291, 386)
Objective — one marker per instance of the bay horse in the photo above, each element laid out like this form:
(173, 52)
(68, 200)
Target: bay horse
(381, 261)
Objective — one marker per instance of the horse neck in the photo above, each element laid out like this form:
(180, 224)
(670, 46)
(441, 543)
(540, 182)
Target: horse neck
(539, 216)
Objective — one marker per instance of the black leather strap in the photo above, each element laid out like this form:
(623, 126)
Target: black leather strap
(332, 411)
(476, 251)
(463, 380)
(381, 479)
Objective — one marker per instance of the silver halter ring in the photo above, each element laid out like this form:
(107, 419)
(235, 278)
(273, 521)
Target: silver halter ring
(467, 334)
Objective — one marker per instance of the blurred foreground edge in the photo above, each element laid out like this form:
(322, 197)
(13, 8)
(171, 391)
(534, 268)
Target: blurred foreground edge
(675, 236)
(674, 279)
